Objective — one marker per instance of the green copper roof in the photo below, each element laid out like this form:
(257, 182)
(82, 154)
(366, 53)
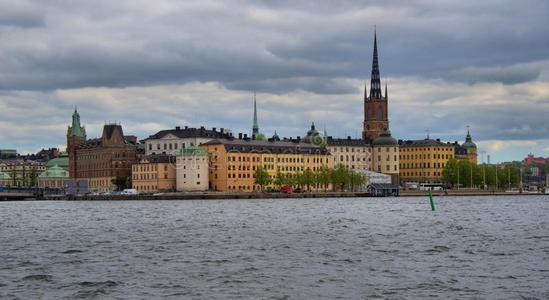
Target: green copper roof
(76, 129)
(385, 139)
(61, 161)
(469, 141)
(55, 172)
(193, 151)
(4, 176)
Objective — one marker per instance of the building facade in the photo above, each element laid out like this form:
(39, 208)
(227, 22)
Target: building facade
(76, 136)
(424, 160)
(233, 162)
(154, 173)
(172, 140)
(385, 154)
(53, 178)
(376, 114)
(355, 154)
(192, 170)
(22, 173)
(101, 160)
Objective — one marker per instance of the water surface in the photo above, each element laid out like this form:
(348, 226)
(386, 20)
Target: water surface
(471, 247)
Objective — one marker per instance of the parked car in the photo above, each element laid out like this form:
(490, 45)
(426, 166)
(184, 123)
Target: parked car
(271, 190)
(286, 189)
(298, 190)
(129, 192)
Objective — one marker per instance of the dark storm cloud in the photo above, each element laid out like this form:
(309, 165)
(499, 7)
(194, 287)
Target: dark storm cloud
(241, 44)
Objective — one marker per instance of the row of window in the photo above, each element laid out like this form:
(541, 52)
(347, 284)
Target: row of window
(427, 165)
(425, 156)
(421, 174)
(169, 146)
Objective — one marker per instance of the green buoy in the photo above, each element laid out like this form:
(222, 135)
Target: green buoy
(431, 200)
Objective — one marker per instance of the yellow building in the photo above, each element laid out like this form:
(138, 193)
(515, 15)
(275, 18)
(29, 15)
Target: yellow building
(424, 160)
(233, 162)
(154, 173)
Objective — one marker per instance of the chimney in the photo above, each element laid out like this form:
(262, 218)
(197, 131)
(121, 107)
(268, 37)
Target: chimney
(240, 136)
(348, 137)
(221, 130)
(213, 129)
(245, 136)
(186, 127)
(177, 128)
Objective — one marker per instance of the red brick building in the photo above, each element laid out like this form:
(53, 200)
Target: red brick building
(99, 161)
(376, 113)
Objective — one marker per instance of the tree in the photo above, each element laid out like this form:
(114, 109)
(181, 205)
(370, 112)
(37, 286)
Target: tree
(121, 183)
(308, 178)
(339, 177)
(323, 177)
(262, 177)
(280, 179)
(355, 179)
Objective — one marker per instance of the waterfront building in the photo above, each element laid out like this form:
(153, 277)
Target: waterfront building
(22, 172)
(385, 156)
(172, 140)
(53, 177)
(62, 161)
(154, 173)
(99, 161)
(467, 150)
(5, 179)
(376, 112)
(233, 162)
(192, 169)
(76, 136)
(424, 160)
(355, 154)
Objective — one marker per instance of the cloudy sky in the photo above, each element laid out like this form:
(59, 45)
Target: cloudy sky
(154, 65)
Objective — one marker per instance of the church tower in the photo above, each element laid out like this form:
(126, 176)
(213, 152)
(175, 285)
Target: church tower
(76, 136)
(376, 113)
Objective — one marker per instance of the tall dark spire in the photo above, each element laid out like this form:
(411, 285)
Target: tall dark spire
(375, 82)
(255, 126)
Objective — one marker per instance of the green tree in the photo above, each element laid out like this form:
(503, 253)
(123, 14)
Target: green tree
(356, 180)
(261, 177)
(308, 178)
(324, 177)
(280, 179)
(339, 177)
(120, 182)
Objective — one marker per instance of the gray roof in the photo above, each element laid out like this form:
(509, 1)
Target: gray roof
(188, 132)
(422, 143)
(269, 146)
(347, 142)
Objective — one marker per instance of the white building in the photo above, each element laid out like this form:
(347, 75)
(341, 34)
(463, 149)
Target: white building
(192, 170)
(172, 140)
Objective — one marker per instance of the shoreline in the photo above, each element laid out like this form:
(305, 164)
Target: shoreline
(257, 195)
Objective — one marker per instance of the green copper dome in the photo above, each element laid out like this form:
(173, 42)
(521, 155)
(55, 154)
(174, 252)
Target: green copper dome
(4, 176)
(385, 139)
(61, 161)
(193, 151)
(469, 142)
(55, 172)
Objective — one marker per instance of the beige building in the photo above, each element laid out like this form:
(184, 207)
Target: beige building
(192, 170)
(154, 173)
(424, 160)
(233, 162)
(355, 154)
(172, 140)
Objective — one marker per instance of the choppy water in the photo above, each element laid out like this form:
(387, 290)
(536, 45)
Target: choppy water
(495, 248)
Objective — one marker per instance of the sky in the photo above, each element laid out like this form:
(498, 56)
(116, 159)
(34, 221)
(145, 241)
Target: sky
(154, 65)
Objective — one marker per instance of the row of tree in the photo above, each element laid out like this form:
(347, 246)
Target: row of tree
(462, 173)
(338, 178)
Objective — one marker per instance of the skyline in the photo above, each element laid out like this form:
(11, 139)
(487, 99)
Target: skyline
(307, 63)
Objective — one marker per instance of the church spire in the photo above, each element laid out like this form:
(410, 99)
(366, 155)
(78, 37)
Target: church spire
(255, 126)
(375, 82)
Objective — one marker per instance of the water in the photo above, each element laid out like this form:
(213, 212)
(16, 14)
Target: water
(480, 248)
